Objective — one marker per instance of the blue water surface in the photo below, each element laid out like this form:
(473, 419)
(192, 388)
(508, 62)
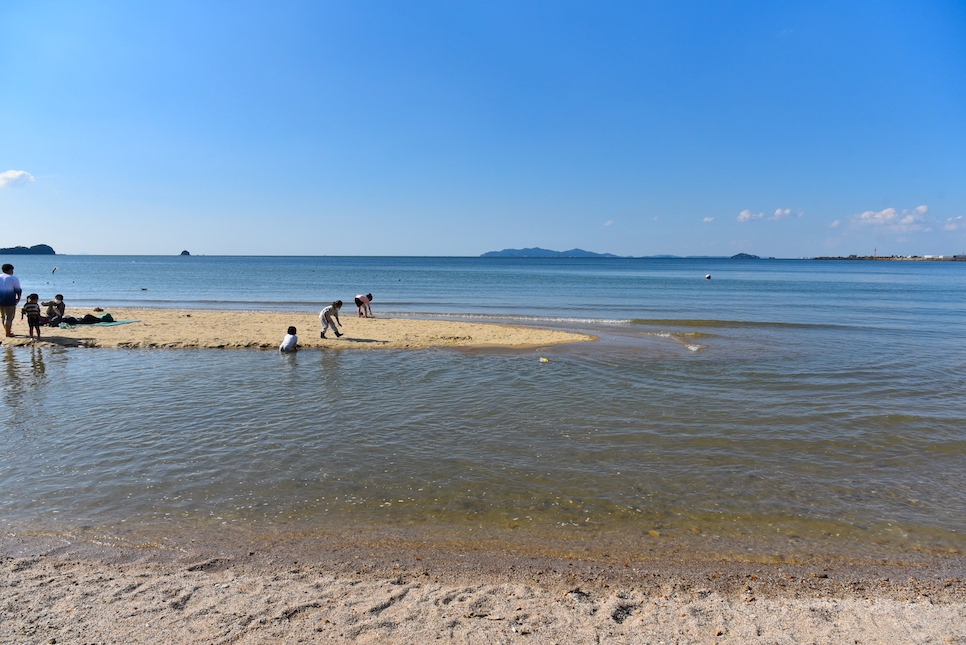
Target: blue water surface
(796, 397)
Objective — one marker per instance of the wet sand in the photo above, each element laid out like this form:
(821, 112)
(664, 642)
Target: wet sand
(180, 329)
(68, 588)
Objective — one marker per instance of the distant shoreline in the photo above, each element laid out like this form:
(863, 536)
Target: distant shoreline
(898, 258)
(559, 256)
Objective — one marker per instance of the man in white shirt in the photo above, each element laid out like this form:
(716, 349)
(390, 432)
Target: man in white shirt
(10, 292)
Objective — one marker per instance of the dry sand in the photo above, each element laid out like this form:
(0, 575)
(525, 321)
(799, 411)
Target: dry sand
(60, 589)
(172, 328)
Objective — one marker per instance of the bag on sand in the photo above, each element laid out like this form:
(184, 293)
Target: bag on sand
(107, 318)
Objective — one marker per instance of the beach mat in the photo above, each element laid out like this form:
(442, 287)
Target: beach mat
(100, 324)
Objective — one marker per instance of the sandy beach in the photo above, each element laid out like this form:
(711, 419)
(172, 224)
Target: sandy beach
(106, 589)
(182, 329)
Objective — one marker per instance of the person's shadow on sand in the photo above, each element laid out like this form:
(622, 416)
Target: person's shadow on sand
(364, 340)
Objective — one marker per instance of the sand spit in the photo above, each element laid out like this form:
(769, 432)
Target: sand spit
(57, 590)
(177, 329)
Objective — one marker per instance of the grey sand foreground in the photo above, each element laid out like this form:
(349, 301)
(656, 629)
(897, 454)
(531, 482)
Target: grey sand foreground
(68, 590)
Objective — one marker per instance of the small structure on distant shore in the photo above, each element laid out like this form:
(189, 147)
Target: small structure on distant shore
(37, 249)
(185, 253)
(899, 258)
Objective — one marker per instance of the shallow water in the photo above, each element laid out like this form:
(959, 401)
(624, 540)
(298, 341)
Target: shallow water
(818, 403)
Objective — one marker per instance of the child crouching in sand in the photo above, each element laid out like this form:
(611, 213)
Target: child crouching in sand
(291, 342)
(32, 311)
(329, 317)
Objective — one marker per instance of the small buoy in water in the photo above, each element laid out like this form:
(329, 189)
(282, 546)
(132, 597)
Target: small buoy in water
(707, 277)
(544, 360)
(144, 288)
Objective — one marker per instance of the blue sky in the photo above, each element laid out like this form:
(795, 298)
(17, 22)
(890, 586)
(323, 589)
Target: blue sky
(445, 128)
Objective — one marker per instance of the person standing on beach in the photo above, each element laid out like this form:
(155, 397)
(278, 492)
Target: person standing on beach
(32, 311)
(362, 304)
(329, 317)
(10, 292)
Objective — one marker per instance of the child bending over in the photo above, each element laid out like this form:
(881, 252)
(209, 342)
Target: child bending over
(329, 317)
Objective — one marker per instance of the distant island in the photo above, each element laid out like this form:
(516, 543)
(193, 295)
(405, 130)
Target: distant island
(185, 252)
(545, 253)
(37, 249)
(537, 252)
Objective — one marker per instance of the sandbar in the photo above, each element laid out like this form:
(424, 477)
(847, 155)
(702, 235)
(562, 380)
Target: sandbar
(185, 329)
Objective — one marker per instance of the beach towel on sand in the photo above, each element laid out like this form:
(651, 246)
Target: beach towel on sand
(113, 322)
(67, 325)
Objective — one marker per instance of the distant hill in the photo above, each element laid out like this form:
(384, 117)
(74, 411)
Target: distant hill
(537, 252)
(38, 249)
(546, 253)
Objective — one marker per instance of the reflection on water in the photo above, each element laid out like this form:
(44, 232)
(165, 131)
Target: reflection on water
(24, 372)
(765, 431)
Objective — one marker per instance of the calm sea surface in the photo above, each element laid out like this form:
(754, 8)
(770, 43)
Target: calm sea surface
(783, 399)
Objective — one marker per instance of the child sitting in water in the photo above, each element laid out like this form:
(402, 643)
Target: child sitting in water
(329, 317)
(32, 311)
(291, 342)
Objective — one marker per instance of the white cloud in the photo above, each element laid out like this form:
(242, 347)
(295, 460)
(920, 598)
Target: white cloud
(655, 218)
(15, 178)
(882, 217)
(835, 224)
(899, 222)
(746, 216)
(708, 219)
(608, 222)
(955, 223)
(782, 213)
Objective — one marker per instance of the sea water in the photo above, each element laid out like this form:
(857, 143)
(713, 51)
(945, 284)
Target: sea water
(791, 400)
